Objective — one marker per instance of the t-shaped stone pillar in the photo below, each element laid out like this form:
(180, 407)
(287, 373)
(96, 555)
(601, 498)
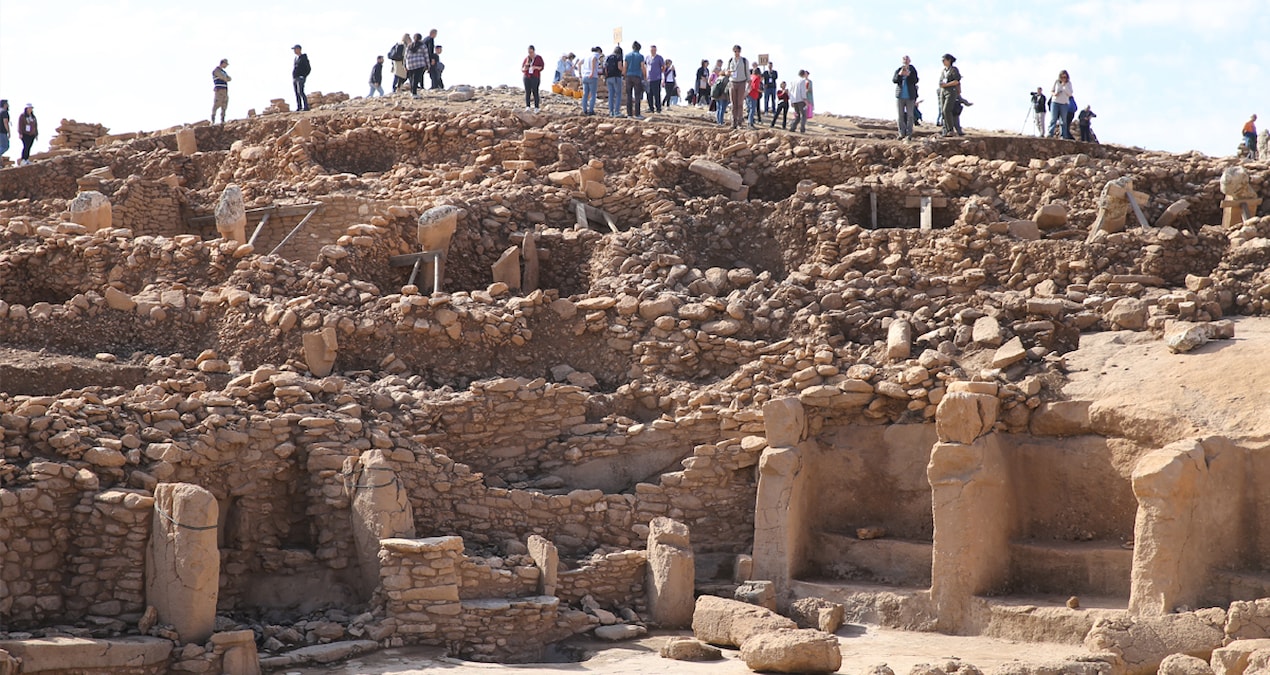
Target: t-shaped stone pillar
(231, 214)
(435, 229)
(182, 561)
(380, 508)
(780, 504)
(671, 576)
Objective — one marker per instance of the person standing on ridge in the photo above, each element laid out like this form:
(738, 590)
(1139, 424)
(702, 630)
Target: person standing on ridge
(417, 61)
(739, 79)
(1086, 124)
(782, 107)
(1038, 110)
(1250, 136)
(398, 57)
(636, 73)
(613, 80)
(438, 69)
(656, 66)
(531, 68)
(798, 99)
(430, 48)
(905, 80)
(703, 83)
(1060, 100)
(770, 78)
(752, 95)
(377, 77)
(300, 70)
(4, 126)
(28, 131)
(590, 73)
(220, 90)
(950, 96)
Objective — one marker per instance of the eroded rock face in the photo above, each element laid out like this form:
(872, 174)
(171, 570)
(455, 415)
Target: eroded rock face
(1141, 644)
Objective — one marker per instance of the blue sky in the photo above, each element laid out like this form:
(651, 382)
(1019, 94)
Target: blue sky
(1171, 75)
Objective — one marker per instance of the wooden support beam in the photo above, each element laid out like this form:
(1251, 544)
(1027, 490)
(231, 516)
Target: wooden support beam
(873, 208)
(587, 214)
(296, 229)
(1137, 210)
(261, 226)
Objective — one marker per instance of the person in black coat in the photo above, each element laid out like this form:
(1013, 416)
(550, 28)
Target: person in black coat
(905, 80)
(299, 72)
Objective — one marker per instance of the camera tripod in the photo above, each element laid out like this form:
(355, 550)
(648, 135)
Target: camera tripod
(1032, 119)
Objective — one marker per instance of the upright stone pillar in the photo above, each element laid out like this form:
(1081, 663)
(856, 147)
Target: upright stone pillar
(671, 574)
(186, 141)
(1187, 504)
(971, 504)
(779, 508)
(231, 214)
(380, 510)
(182, 561)
(434, 231)
(547, 559)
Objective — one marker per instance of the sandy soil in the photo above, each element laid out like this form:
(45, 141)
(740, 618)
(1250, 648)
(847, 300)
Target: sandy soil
(861, 647)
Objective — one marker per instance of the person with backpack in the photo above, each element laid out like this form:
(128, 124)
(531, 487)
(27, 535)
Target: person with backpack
(220, 90)
(417, 62)
(719, 94)
(613, 80)
(377, 77)
(1060, 105)
(397, 54)
(531, 68)
(300, 70)
(28, 131)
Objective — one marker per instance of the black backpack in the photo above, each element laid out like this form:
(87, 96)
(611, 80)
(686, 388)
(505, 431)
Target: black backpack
(397, 52)
(613, 66)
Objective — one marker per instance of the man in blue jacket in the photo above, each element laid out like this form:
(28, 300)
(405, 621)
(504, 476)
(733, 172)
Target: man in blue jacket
(299, 72)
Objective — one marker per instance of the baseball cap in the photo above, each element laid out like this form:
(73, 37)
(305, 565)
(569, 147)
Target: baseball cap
(297, 47)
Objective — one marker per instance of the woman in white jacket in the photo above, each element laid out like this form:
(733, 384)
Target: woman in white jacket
(1060, 105)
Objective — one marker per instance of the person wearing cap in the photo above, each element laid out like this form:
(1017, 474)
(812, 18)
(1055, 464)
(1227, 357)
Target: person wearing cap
(220, 90)
(590, 73)
(28, 131)
(299, 73)
(4, 126)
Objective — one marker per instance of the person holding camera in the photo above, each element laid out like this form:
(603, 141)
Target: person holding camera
(1060, 100)
(950, 97)
(905, 80)
(1038, 110)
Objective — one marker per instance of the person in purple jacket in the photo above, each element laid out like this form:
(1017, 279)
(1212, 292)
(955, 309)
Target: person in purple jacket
(655, 66)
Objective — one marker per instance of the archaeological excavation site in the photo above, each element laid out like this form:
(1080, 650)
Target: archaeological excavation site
(520, 387)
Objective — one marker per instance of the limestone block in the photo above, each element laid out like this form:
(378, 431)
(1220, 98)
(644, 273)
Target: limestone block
(436, 227)
(182, 560)
(320, 350)
(1234, 657)
(1237, 184)
(1061, 418)
(1171, 215)
(1009, 353)
(547, 558)
(507, 268)
(689, 649)
(92, 210)
(1127, 314)
(1113, 208)
(817, 613)
(757, 592)
(792, 651)
(987, 332)
(717, 173)
(117, 299)
(231, 214)
(1183, 336)
(239, 655)
(72, 655)
(529, 251)
(380, 509)
(785, 421)
(303, 128)
(186, 141)
(1051, 216)
(1140, 644)
(1181, 664)
(1026, 230)
(620, 631)
(962, 417)
(899, 340)
(728, 623)
(671, 574)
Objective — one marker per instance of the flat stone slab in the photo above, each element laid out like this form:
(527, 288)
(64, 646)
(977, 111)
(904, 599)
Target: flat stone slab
(80, 654)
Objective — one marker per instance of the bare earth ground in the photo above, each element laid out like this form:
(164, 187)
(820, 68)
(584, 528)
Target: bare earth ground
(1137, 384)
(862, 647)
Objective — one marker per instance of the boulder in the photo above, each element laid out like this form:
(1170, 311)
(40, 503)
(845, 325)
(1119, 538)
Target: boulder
(1139, 644)
(728, 623)
(962, 417)
(1009, 353)
(1051, 216)
(792, 651)
(987, 332)
(1181, 664)
(899, 340)
(1127, 314)
(759, 592)
(1183, 336)
(1233, 658)
(817, 613)
(689, 649)
(620, 631)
